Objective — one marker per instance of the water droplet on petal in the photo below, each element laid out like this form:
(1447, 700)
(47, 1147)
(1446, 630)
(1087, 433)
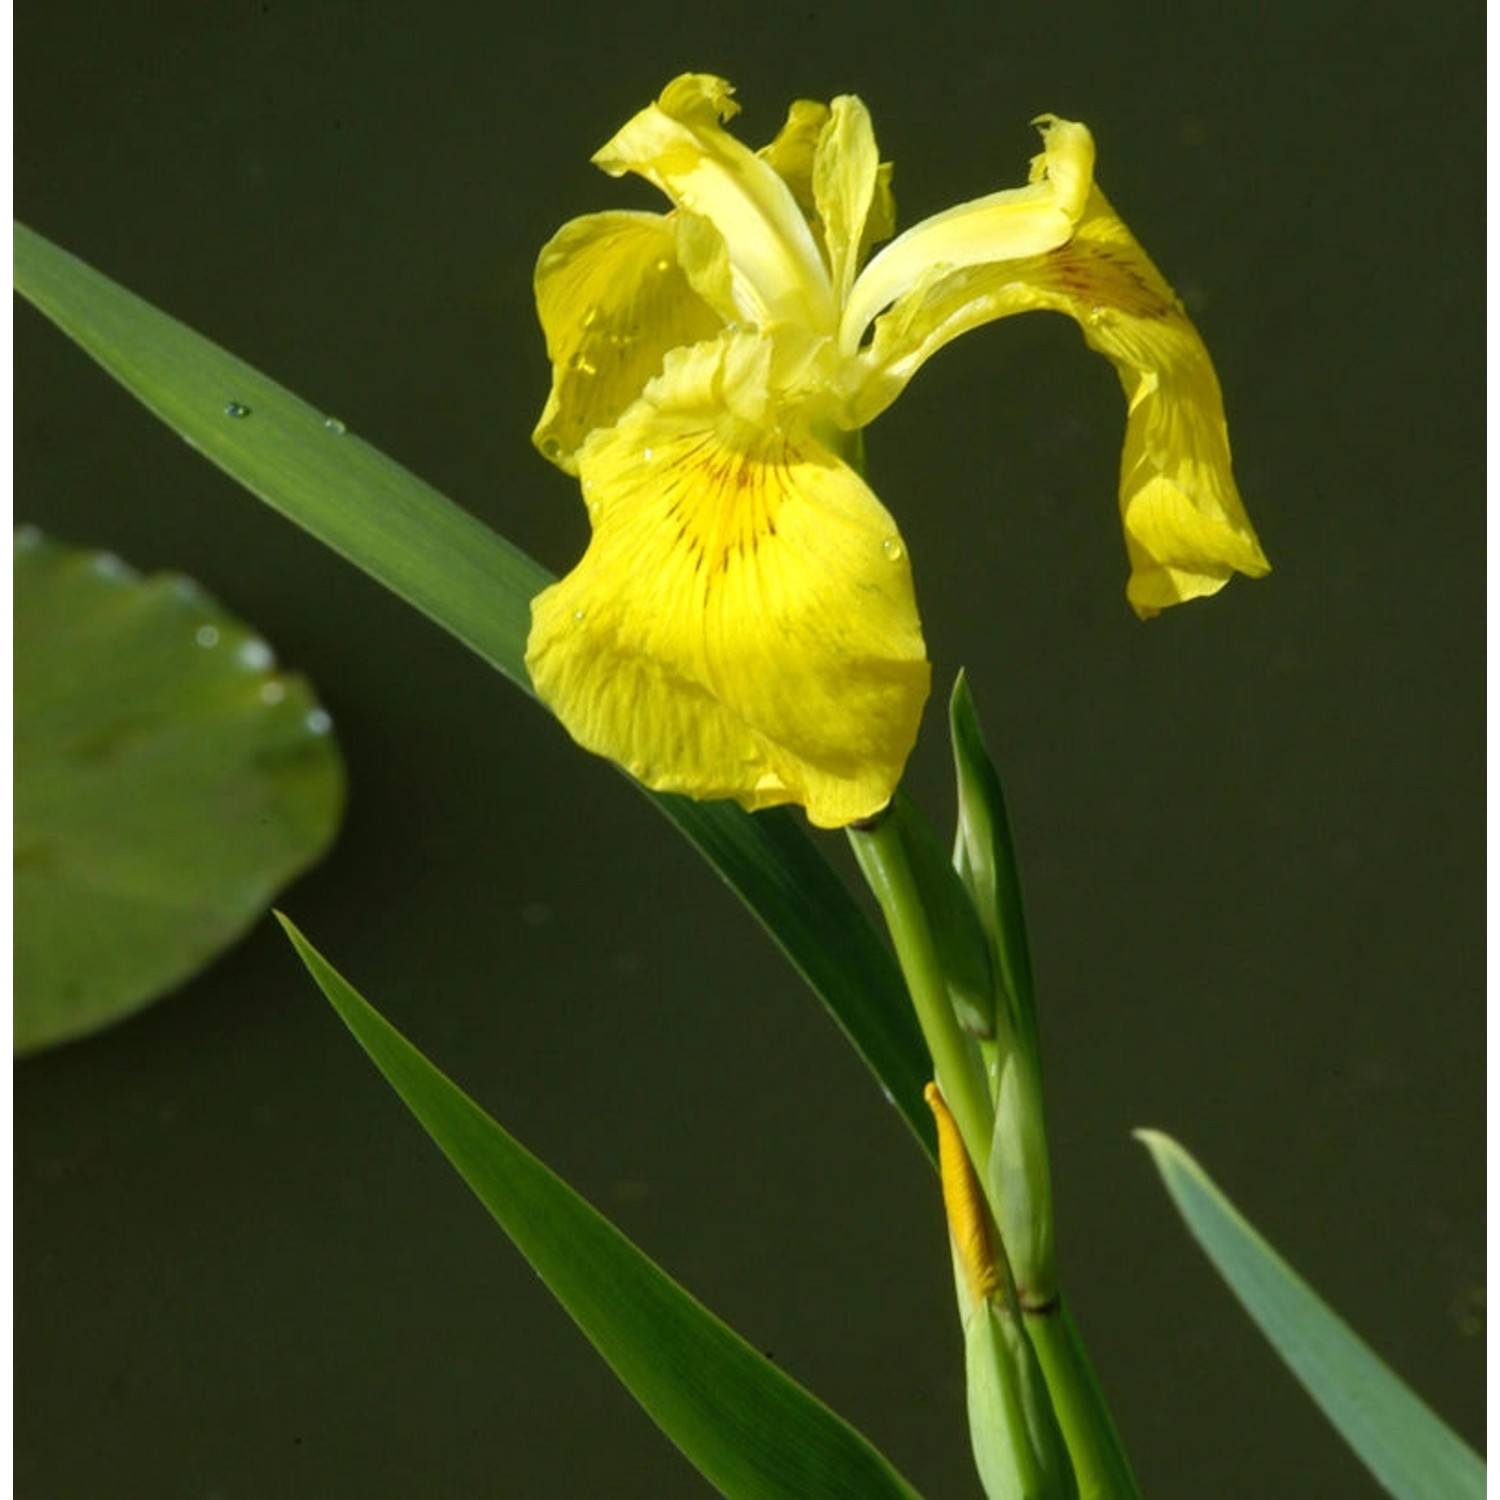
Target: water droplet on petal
(648, 454)
(590, 317)
(578, 615)
(664, 265)
(333, 425)
(893, 549)
(207, 636)
(272, 692)
(236, 409)
(552, 449)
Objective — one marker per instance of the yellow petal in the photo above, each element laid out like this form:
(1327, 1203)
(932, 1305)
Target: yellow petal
(612, 301)
(1003, 226)
(845, 170)
(742, 624)
(679, 144)
(791, 153)
(1186, 531)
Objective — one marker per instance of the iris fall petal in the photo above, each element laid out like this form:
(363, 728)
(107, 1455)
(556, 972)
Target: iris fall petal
(743, 623)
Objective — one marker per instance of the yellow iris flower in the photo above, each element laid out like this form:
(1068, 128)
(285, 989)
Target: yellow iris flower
(743, 623)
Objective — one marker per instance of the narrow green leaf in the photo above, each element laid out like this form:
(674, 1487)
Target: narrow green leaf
(747, 1427)
(1402, 1441)
(169, 780)
(477, 586)
(986, 858)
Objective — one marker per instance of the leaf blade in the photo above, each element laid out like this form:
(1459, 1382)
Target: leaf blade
(1398, 1437)
(748, 1427)
(477, 586)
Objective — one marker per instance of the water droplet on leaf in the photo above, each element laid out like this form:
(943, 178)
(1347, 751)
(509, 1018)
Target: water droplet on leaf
(107, 565)
(333, 425)
(255, 654)
(236, 409)
(207, 636)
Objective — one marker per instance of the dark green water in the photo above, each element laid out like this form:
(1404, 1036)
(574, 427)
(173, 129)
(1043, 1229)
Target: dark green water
(1251, 832)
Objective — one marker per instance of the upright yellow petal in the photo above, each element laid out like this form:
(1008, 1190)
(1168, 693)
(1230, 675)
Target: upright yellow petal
(680, 145)
(846, 167)
(742, 624)
(791, 153)
(612, 301)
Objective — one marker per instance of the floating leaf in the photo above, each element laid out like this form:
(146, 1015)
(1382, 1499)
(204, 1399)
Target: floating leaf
(169, 781)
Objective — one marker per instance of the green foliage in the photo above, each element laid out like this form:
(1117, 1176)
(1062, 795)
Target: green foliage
(474, 584)
(169, 781)
(750, 1429)
(1407, 1447)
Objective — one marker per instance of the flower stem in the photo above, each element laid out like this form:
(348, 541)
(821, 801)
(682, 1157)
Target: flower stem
(1099, 1460)
(886, 863)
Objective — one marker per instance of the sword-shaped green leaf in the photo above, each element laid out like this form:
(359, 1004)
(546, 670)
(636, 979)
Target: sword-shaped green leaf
(1399, 1438)
(751, 1430)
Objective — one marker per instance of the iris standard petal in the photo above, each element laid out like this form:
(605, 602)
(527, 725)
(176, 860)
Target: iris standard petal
(679, 144)
(612, 302)
(792, 154)
(845, 170)
(743, 623)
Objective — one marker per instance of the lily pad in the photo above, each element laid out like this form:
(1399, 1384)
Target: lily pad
(169, 780)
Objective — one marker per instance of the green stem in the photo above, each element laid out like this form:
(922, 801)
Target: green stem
(1099, 1460)
(883, 858)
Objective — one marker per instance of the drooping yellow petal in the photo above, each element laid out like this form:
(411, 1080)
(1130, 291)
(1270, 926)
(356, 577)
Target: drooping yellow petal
(612, 301)
(1186, 530)
(742, 624)
(680, 145)
(1003, 226)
